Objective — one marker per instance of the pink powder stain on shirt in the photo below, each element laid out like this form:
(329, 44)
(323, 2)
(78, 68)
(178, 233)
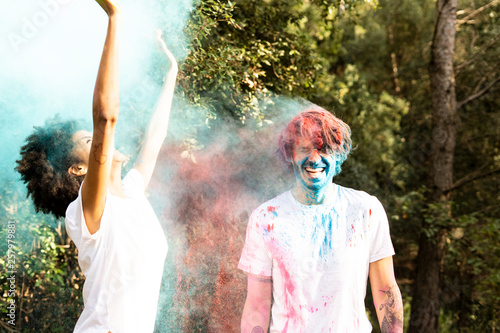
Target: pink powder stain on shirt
(289, 294)
(286, 278)
(285, 329)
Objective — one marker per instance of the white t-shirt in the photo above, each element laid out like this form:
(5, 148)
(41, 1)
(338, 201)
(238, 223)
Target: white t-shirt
(318, 257)
(122, 261)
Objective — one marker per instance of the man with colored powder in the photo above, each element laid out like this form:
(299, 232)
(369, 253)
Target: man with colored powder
(309, 251)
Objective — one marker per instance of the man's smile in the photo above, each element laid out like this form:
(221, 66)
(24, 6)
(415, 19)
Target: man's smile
(314, 171)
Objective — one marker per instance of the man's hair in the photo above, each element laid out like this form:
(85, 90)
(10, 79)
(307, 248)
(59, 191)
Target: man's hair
(45, 160)
(325, 130)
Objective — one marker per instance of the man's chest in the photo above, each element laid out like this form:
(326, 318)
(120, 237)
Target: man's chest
(326, 242)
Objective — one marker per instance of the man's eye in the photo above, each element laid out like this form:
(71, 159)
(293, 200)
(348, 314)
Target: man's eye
(325, 150)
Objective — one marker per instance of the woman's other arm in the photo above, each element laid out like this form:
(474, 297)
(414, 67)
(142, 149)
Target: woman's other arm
(158, 125)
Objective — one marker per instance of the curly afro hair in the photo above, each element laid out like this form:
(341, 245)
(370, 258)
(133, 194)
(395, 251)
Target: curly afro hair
(45, 160)
(323, 128)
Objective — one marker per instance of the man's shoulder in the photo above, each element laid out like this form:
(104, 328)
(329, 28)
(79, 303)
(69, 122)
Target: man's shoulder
(276, 203)
(351, 192)
(357, 197)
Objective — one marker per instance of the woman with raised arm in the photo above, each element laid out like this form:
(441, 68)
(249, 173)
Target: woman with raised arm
(121, 245)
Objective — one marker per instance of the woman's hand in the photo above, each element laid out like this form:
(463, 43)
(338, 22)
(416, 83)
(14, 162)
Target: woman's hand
(111, 7)
(163, 46)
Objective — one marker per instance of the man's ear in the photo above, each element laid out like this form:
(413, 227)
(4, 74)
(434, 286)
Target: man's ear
(78, 170)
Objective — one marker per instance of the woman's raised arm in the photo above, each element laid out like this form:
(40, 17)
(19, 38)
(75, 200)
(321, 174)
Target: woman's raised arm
(105, 109)
(157, 128)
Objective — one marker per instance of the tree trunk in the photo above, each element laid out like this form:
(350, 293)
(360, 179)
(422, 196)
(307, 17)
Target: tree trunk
(427, 285)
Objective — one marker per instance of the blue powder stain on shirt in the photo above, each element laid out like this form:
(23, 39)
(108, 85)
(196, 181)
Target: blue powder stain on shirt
(323, 234)
(326, 247)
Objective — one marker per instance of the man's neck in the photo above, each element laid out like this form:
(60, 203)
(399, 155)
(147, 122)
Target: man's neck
(309, 197)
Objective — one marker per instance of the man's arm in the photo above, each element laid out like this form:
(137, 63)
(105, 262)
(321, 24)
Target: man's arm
(257, 310)
(157, 129)
(105, 108)
(386, 296)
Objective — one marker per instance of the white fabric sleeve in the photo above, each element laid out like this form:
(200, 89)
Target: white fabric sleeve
(87, 244)
(255, 259)
(76, 226)
(380, 242)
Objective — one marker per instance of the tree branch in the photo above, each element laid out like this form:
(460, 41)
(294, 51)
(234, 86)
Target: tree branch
(477, 54)
(478, 94)
(477, 11)
(7, 328)
(471, 177)
(393, 59)
(486, 209)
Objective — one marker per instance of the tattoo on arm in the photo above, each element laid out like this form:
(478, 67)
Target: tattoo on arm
(393, 316)
(99, 157)
(260, 279)
(257, 329)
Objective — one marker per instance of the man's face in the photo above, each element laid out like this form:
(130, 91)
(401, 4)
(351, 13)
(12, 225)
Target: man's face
(314, 167)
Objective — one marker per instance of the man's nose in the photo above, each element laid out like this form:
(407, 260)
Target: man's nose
(314, 156)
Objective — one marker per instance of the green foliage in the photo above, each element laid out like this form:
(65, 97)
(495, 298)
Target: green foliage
(470, 289)
(45, 267)
(244, 51)
(375, 123)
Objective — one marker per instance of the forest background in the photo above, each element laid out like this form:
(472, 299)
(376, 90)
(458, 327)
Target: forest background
(248, 67)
